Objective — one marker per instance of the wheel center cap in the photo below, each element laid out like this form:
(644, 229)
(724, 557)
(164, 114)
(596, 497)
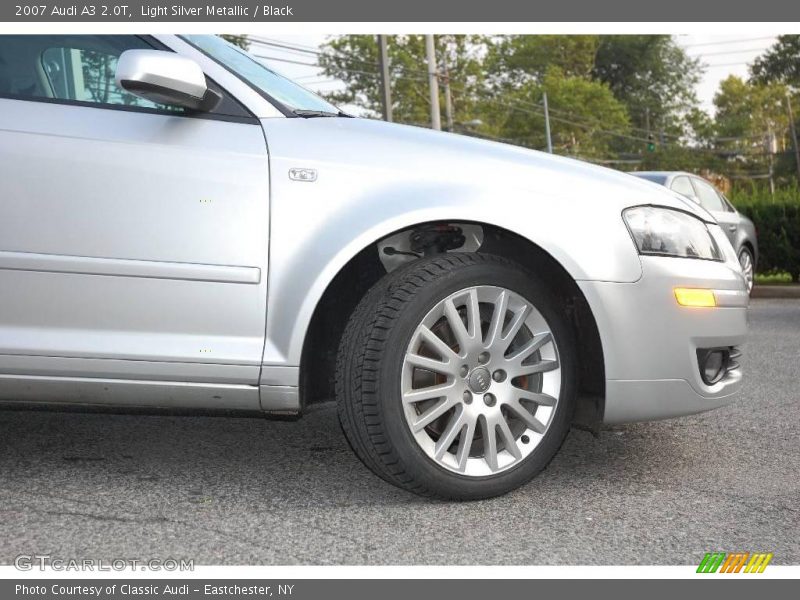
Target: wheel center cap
(479, 380)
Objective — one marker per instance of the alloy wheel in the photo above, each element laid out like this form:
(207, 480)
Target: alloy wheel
(481, 381)
(746, 262)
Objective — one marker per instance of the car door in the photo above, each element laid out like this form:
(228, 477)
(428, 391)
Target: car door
(711, 200)
(133, 236)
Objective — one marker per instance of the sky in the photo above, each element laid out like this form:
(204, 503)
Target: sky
(722, 55)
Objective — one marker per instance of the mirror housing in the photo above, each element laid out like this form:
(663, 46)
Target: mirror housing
(165, 78)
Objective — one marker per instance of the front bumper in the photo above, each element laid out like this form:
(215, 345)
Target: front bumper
(650, 343)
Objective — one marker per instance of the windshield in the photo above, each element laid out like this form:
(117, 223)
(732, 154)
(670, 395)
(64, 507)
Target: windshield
(275, 87)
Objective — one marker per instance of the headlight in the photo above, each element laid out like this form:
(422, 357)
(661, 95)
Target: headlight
(668, 232)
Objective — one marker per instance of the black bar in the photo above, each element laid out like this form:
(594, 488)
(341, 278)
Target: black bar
(443, 11)
(708, 586)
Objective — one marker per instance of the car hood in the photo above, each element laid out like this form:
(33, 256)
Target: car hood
(434, 155)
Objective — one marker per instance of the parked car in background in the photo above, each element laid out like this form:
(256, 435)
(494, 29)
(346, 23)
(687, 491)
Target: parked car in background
(181, 227)
(740, 230)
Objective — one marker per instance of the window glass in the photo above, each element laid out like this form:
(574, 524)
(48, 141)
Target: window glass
(708, 196)
(659, 179)
(69, 67)
(275, 86)
(726, 204)
(682, 185)
(88, 76)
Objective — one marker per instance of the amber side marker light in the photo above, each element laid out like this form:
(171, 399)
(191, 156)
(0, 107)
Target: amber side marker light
(695, 297)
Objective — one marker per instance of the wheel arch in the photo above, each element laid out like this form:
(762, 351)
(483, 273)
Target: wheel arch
(364, 269)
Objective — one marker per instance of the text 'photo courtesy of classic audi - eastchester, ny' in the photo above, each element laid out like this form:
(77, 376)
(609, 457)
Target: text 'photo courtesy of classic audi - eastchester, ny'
(183, 229)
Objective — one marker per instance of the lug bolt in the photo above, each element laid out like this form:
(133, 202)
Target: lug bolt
(499, 375)
(464, 371)
(483, 358)
(467, 397)
(489, 399)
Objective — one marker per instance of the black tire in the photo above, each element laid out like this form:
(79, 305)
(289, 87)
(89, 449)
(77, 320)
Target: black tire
(369, 366)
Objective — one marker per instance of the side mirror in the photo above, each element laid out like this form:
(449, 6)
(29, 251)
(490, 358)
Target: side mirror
(166, 78)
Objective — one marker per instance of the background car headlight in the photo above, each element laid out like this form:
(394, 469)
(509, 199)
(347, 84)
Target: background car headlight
(668, 232)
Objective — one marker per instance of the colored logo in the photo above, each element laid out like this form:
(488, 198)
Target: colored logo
(734, 562)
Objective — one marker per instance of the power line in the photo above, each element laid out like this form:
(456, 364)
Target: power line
(286, 60)
(338, 55)
(744, 51)
(725, 42)
(731, 64)
(318, 53)
(273, 40)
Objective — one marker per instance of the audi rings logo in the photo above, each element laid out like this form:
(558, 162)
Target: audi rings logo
(480, 380)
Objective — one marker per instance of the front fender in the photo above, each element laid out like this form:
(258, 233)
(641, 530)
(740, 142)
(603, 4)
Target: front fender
(317, 228)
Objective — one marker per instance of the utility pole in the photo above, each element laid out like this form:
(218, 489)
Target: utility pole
(433, 81)
(793, 130)
(383, 59)
(547, 123)
(771, 144)
(448, 98)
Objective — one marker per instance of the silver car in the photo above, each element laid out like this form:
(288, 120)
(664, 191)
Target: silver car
(740, 230)
(182, 228)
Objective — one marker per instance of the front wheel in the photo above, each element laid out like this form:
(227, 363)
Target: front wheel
(456, 377)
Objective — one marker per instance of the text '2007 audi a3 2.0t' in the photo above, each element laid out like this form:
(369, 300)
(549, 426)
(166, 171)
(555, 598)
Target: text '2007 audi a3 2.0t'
(181, 227)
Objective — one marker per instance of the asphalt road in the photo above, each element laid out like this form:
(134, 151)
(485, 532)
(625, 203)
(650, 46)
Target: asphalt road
(250, 491)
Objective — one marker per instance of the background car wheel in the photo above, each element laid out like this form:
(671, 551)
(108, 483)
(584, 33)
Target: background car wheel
(456, 377)
(748, 267)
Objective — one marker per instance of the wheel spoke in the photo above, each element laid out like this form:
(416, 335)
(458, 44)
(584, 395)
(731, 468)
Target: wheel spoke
(432, 414)
(495, 331)
(508, 438)
(525, 415)
(514, 326)
(465, 444)
(448, 436)
(538, 398)
(489, 444)
(474, 315)
(428, 393)
(531, 346)
(457, 326)
(431, 364)
(542, 366)
(437, 343)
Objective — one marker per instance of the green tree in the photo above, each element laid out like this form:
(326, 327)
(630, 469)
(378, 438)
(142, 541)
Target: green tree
(649, 74)
(584, 114)
(354, 60)
(747, 113)
(751, 122)
(780, 64)
(601, 89)
(652, 76)
(518, 59)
